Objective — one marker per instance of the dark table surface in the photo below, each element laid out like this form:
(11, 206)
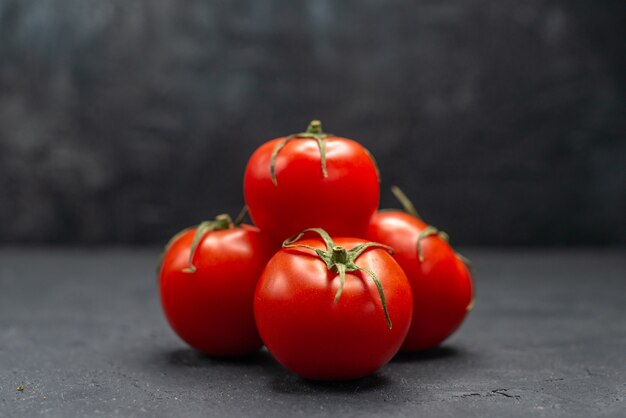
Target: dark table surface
(83, 333)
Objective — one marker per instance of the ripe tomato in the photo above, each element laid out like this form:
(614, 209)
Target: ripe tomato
(311, 179)
(207, 282)
(440, 281)
(333, 310)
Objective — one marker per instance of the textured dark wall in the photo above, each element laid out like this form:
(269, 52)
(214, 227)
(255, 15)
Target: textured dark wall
(123, 121)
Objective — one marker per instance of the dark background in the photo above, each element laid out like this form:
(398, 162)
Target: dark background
(124, 121)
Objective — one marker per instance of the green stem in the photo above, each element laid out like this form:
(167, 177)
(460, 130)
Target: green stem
(340, 255)
(340, 260)
(341, 269)
(313, 131)
(430, 230)
(221, 222)
(405, 202)
(201, 231)
(314, 128)
(241, 216)
(321, 144)
(427, 232)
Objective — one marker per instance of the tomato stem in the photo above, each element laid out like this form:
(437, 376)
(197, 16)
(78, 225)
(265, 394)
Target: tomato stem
(340, 255)
(315, 127)
(427, 232)
(221, 222)
(341, 260)
(314, 131)
(241, 216)
(404, 200)
(430, 230)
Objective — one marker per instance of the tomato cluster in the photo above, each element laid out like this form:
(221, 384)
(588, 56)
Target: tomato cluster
(333, 288)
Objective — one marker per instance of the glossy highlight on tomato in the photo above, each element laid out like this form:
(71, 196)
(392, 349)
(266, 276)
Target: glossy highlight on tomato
(318, 180)
(319, 335)
(209, 303)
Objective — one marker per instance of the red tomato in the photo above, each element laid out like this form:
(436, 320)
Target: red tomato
(208, 298)
(322, 330)
(440, 281)
(319, 180)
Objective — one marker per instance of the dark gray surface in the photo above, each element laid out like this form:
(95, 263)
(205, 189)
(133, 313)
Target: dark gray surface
(83, 333)
(125, 121)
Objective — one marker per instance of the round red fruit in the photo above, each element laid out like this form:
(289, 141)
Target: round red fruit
(333, 309)
(207, 280)
(312, 179)
(440, 281)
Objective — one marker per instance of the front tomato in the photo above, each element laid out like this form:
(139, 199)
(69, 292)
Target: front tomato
(333, 310)
(207, 281)
(311, 179)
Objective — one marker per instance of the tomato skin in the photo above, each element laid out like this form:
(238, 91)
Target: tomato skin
(341, 203)
(311, 335)
(211, 309)
(441, 283)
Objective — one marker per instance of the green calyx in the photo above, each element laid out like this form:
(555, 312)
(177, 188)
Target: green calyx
(314, 131)
(221, 222)
(340, 260)
(429, 231)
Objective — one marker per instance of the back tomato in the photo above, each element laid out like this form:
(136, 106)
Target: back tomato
(318, 335)
(339, 194)
(211, 308)
(440, 282)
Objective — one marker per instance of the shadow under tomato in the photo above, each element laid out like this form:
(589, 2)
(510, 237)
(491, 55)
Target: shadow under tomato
(291, 384)
(278, 378)
(188, 357)
(438, 353)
